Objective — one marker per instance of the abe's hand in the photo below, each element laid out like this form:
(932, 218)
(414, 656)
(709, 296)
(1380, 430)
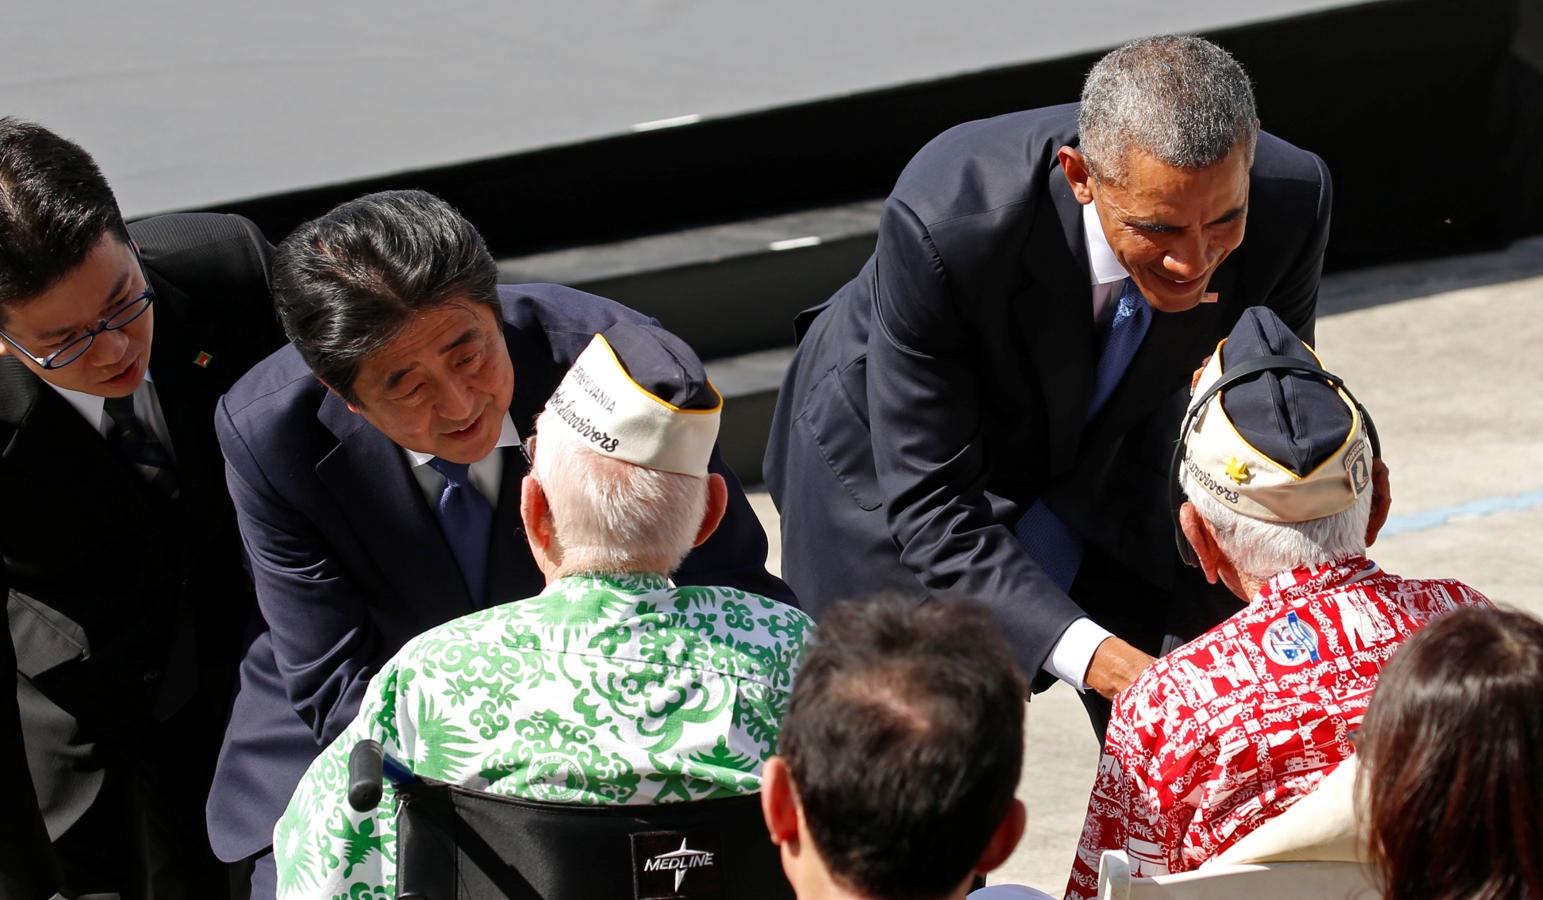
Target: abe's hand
(1115, 665)
(1382, 500)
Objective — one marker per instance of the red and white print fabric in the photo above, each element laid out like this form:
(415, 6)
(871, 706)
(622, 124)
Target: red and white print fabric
(1234, 727)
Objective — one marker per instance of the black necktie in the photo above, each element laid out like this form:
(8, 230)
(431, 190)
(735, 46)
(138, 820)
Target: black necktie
(466, 518)
(136, 445)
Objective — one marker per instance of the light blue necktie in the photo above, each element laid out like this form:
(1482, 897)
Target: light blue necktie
(1049, 540)
(467, 521)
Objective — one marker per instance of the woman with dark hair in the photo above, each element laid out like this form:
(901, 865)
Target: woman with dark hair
(1452, 761)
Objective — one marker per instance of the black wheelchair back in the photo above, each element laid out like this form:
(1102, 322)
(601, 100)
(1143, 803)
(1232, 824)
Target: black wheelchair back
(458, 844)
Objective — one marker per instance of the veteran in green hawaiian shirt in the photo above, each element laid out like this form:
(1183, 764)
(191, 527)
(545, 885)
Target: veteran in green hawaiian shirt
(612, 686)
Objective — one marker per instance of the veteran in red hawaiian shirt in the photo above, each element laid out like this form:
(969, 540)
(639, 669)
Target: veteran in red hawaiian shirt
(1234, 727)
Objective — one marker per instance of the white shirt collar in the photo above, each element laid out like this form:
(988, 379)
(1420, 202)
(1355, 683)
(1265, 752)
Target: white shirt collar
(88, 405)
(507, 437)
(1103, 266)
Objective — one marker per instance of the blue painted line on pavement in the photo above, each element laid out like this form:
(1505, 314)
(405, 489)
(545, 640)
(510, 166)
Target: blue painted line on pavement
(1433, 518)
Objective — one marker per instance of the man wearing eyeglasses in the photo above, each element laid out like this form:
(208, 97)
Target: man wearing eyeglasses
(125, 590)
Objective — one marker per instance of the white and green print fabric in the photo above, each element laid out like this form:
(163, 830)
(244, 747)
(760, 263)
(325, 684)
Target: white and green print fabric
(600, 690)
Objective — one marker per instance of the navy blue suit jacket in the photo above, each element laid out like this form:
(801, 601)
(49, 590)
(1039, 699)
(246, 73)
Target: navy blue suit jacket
(350, 563)
(943, 390)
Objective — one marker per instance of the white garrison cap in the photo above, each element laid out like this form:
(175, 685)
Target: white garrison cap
(1279, 445)
(639, 394)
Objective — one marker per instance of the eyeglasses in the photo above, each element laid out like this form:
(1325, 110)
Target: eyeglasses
(114, 320)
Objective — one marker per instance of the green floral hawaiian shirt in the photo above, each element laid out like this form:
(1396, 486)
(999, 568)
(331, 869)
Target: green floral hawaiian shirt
(601, 690)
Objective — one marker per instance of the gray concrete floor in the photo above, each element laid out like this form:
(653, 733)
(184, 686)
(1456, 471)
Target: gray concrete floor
(1447, 355)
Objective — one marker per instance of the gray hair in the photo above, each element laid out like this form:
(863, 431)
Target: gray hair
(1180, 98)
(1261, 549)
(612, 516)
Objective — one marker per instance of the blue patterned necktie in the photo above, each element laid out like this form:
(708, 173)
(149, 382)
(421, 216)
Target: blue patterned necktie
(137, 445)
(1049, 540)
(466, 518)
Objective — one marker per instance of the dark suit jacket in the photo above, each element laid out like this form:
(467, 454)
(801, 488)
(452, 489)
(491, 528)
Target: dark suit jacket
(26, 872)
(350, 562)
(121, 607)
(939, 393)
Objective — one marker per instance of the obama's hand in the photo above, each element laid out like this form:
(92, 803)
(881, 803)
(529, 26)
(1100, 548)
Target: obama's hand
(1114, 666)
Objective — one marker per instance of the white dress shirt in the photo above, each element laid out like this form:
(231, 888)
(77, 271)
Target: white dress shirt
(1073, 651)
(1107, 274)
(147, 407)
(487, 473)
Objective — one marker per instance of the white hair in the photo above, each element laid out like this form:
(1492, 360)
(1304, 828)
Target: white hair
(1261, 549)
(613, 516)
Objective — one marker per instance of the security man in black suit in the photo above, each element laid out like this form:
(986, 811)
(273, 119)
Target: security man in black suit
(988, 407)
(126, 595)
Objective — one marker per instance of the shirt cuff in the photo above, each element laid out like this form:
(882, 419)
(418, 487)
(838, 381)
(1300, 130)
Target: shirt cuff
(1073, 653)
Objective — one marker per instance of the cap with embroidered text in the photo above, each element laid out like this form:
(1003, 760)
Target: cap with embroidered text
(639, 394)
(1280, 444)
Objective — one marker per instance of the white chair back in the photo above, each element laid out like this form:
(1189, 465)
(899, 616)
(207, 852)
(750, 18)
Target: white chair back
(1264, 881)
(1321, 827)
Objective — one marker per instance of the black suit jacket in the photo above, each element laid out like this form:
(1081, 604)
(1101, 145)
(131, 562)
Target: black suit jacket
(121, 607)
(26, 871)
(943, 390)
(350, 562)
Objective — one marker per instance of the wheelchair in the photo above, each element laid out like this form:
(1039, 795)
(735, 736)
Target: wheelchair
(454, 843)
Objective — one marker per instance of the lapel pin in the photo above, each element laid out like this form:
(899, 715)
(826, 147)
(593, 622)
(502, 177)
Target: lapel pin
(202, 360)
(1210, 297)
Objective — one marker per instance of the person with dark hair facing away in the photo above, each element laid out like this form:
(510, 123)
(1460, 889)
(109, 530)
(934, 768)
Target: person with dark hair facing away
(375, 465)
(1451, 762)
(126, 597)
(899, 754)
(1234, 727)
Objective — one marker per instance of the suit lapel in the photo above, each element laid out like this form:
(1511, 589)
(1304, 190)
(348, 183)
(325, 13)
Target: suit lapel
(383, 503)
(187, 396)
(1056, 311)
(60, 462)
(512, 573)
(18, 391)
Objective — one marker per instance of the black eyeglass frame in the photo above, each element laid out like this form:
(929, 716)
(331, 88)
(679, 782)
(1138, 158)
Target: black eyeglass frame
(106, 323)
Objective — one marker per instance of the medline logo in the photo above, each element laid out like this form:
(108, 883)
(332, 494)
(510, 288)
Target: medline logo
(680, 862)
(677, 865)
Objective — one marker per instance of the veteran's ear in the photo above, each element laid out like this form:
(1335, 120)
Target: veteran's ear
(717, 505)
(535, 514)
(1198, 532)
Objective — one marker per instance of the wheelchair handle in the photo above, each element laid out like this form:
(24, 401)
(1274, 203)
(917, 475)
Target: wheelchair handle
(367, 764)
(364, 775)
